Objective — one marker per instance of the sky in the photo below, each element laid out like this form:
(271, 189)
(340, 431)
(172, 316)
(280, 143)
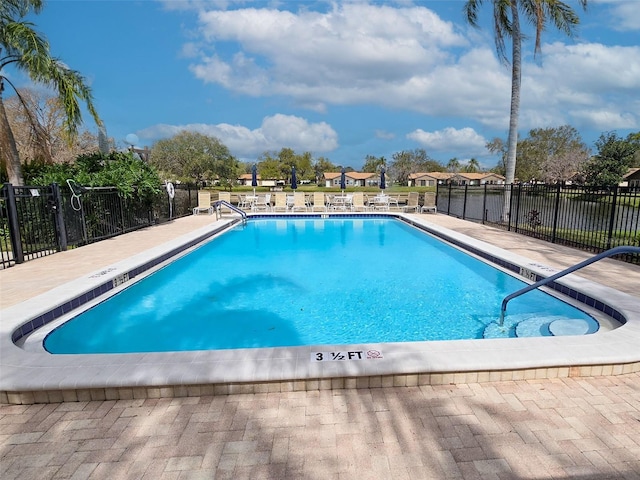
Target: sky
(341, 79)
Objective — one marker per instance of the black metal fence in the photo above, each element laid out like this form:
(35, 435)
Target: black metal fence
(36, 221)
(585, 218)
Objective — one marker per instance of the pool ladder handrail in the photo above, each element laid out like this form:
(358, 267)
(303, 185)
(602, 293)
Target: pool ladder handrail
(219, 203)
(577, 266)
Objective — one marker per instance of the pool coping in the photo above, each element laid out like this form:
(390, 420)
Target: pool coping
(28, 376)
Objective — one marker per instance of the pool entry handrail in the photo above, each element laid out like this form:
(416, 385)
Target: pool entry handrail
(577, 266)
(220, 203)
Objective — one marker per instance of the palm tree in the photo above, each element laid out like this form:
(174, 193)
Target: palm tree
(453, 165)
(25, 49)
(506, 23)
(473, 166)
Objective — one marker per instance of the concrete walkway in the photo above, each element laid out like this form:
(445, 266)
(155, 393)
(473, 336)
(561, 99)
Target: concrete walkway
(565, 428)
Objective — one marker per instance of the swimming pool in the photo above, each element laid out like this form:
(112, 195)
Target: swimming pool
(309, 281)
(29, 374)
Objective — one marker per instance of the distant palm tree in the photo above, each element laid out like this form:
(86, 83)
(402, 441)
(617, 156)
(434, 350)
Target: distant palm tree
(506, 23)
(23, 48)
(473, 166)
(453, 165)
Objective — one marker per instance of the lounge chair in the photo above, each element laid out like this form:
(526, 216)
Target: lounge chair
(262, 202)
(225, 196)
(429, 203)
(244, 202)
(393, 202)
(204, 203)
(412, 203)
(318, 202)
(380, 202)
(358, 202)
(281, 202)
(299, 202)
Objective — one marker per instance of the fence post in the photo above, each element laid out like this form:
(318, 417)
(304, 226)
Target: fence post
(556, 213)
(508, 190)
(464, 203)
(449, 201)
(484, 205)
(61, 229)
(517, 208)
(14, 225)
(613, 216)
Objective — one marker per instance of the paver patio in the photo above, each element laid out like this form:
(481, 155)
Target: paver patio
(567, 428)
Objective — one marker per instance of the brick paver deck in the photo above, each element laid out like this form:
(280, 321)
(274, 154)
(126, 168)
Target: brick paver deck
(566, 428)
(563, 429)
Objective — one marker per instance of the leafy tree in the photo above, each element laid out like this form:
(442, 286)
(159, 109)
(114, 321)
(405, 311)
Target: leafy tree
(506, 15)
(549, 154)
(287, 159)
(278, 165)
(197, 157)
(634, 139)
(608, 166)
(497, 146)
(407, 162)
(268, 166)
(37, 125)
(24, 49)
(304, 166)
(373, 164)
(542, 154)
(561, 152)
(322, 165)
(130, 175)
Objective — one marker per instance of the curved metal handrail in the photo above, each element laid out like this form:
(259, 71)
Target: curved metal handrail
(578, 266)
(218, 203)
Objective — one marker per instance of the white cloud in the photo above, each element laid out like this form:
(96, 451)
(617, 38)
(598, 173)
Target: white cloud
(626, 14)
(275, 132)
(347, 55)
(464, 140)
(408, 58)
(384, 135)
(586, 85)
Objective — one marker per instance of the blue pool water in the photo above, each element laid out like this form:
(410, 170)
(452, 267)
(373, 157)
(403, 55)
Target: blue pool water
(286, 282)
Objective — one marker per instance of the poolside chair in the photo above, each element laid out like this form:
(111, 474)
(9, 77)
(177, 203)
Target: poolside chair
(262, 202)
(412, 203)
(358, 204)
(204, 203)
(244, 202)
(380, 202)
(225, 196)
(393, 202)
(318, 202)
(299, 202)
(280, 202)
(429, 203)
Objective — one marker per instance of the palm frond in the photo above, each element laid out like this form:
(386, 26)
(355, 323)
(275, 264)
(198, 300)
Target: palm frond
(19, 8)
(470, 11)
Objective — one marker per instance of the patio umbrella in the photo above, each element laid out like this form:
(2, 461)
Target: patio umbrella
(383, 184)
(254, 178)
(342, 180)
(294, 180)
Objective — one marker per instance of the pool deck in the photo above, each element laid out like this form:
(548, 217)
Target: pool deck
(585, 427)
